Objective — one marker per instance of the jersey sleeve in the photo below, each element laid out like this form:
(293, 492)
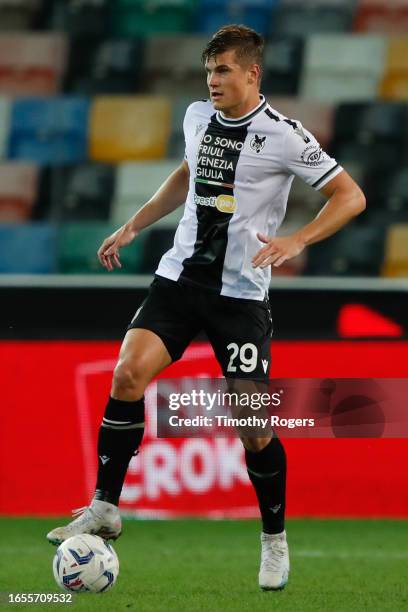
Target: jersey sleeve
(187, 123)
(305, 158)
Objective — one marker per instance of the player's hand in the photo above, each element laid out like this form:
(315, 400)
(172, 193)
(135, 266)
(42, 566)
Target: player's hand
(277, 250)
(108, 252)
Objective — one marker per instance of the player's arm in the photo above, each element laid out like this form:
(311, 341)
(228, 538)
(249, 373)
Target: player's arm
(345, 201)
(171, 194)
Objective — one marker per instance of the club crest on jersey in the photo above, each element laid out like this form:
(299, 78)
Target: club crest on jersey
(257, 143)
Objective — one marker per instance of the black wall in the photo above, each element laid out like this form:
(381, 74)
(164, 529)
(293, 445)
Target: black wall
(103, 313)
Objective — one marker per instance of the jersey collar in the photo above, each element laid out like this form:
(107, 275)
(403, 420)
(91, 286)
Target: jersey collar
(245, 118)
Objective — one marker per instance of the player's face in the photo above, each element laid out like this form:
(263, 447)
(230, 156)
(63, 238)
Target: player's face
(233, 87)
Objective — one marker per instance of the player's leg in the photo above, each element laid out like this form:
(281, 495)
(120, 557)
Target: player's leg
(159, 333)
(266, 468)
(240, 332)
(142, 356)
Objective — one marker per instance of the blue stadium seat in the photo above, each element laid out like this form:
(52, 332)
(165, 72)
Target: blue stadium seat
(256, 14)
(49, 131)
(27, 249)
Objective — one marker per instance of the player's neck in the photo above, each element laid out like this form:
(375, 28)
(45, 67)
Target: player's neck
(239, 112)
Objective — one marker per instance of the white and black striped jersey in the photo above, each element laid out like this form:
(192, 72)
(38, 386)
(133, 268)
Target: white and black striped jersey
(241, 171)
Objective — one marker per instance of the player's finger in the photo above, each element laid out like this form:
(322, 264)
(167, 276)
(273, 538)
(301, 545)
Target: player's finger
(100, 255)
(262, 255)
(116, 260)
(101, 258)
(280, 261)
(276, 256)
(111, 250)
(262, 237)
(109, 266)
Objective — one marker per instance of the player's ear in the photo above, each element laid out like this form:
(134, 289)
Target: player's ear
(253, 74)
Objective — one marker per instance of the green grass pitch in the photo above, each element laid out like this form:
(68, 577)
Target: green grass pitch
(198, 565)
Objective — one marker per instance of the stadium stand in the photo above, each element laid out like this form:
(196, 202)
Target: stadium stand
(295, 18)
(112, 66)
(172, 68)
(283, 58)
(88, 18)
(142, 17)
(396, 199)
(355, 251)
(394, 85)
(343, 67)
(18, 14)
(49, 131)
(78, 243)
(5, 110)
(28, 248)
(135, 184)
(32, 63)
(129, 127)
(384, 16)
(257, 14)
(162, 238)
(130, 68)
(81, 193)
(18, 191)
(373, 137)
(396, 251)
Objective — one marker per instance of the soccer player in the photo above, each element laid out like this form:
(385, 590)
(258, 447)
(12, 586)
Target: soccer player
(241, 157)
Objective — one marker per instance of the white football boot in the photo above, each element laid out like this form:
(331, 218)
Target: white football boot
(100, 518)
(274, 570)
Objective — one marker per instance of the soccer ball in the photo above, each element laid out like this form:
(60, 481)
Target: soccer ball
(85, 563)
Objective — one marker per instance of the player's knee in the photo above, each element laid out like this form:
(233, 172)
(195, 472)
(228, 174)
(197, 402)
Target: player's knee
(255, 445)
(129, 378)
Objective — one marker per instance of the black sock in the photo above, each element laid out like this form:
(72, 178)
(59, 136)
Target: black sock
(267, 472)
(120, 435)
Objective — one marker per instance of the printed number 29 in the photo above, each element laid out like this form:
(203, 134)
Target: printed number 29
(248, 356)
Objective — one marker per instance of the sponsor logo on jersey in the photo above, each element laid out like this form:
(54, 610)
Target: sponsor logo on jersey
(257, 143)
(312, 155)
(224, 203)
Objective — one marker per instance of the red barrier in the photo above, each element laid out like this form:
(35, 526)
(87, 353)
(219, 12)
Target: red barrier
(53, 398)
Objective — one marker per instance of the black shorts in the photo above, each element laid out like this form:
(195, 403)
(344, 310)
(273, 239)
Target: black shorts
(239, 330)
